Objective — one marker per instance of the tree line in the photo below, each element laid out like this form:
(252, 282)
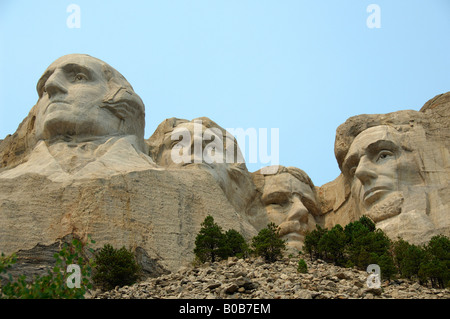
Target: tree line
(358, 244)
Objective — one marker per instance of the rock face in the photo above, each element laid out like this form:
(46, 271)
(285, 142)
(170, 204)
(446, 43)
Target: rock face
(201, 144)
(396, 170)
(158, 211)
(254, 279)
(79, 165)
(290, 200)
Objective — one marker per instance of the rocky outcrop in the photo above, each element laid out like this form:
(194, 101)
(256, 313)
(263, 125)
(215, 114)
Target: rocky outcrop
(396, 170)
(158, 211)
(79, 165)
(255, 279)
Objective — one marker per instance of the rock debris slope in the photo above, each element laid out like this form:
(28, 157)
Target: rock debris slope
(254, 279)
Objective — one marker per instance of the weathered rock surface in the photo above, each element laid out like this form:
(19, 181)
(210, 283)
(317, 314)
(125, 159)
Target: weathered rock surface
(158, 211)
(254, 279)
(78, 164)
(396, 170)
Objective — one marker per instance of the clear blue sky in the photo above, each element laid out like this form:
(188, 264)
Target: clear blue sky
(303, 67)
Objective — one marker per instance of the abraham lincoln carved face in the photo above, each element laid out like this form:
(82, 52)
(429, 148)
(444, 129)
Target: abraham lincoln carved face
(380, 166)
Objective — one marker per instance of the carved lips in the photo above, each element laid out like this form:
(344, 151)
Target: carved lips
(54, 102)
(374, 194)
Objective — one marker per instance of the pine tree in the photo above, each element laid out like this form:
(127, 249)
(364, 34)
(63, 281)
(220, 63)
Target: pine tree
(268, 244)
(311, 242)
(235, 244)
(210, 241)
(332, 245)
(115, 267)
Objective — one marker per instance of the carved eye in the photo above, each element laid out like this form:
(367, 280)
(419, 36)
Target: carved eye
(279, 203)
(384, 154)
(352, 171)
(80, 77)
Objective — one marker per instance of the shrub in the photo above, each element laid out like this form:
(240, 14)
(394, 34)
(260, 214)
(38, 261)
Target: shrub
(267, 243)
(115, 267)
(54, 284)
(302, 267)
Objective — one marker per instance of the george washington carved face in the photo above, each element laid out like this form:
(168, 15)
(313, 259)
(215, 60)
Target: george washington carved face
(82, 96)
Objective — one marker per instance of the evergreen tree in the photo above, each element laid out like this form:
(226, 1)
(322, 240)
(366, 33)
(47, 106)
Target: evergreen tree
(366, 245)
(115, 267)
(414, 257)
(386, 263)
(268, 244)
(436, 266)
(400, 248)
(235, 244)
(332, 245)
(210, 241)
(311, 242)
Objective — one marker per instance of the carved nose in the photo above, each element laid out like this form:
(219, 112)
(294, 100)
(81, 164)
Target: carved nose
(365, 171)
(298, 211)
(55, 84)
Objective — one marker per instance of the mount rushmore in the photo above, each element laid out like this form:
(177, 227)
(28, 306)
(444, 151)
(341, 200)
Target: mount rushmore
(79, 165)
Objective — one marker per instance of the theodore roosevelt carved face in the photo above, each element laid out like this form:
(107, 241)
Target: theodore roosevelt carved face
(290, 201)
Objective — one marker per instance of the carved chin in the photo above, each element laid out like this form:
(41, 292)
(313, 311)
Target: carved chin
(388, 207)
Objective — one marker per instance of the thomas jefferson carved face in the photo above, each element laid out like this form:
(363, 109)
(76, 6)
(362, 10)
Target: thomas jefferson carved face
(72, 95)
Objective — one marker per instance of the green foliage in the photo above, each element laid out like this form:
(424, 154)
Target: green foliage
(430, 262)
(367, 222)
(400, 248)
(386, 263)
(54, 284)
(360, 244)
(210, 242)
(302, 267)
(235, 244)
(332, 245)
(311, 242)
(268, 244)
(5, 263)
(437, 265)
(115, 267)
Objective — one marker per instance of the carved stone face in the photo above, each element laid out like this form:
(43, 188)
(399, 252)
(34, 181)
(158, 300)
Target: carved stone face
(188, 137)
(191, 144)
(201, 144)
(70, 95)
(289, 203)
(372, 161)
(380, 168)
